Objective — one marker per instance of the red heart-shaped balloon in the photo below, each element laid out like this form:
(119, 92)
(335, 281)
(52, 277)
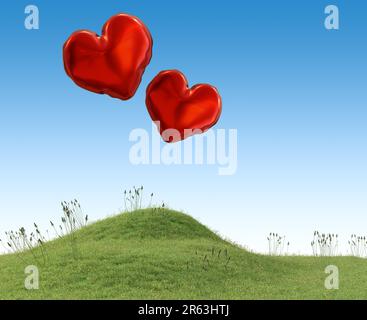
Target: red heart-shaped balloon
(173, 105)
(112, 63)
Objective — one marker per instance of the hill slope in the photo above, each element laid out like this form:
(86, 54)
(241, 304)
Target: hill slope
(163, 254)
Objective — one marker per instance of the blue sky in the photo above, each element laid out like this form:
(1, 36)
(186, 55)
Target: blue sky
(295, 92)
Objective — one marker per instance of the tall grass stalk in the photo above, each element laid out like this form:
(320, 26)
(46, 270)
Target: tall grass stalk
(277, 245)
(325, 245)
(358, 246)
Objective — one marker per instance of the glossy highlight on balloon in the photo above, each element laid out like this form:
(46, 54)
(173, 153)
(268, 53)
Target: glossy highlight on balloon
(173, 105)
(112, 63)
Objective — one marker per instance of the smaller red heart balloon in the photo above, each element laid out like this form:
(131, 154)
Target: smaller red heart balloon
(188, 111)
(112, 63)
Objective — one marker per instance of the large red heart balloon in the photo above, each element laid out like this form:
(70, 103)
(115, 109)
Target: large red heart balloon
(112, 63)
(173, 105)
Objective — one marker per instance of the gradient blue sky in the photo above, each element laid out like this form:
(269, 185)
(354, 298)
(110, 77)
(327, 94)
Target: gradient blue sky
(295, 91)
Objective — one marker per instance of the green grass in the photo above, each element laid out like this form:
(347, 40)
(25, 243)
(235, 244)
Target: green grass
(159, 253)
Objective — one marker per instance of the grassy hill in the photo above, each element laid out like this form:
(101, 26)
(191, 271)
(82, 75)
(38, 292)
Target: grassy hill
(163, 254)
